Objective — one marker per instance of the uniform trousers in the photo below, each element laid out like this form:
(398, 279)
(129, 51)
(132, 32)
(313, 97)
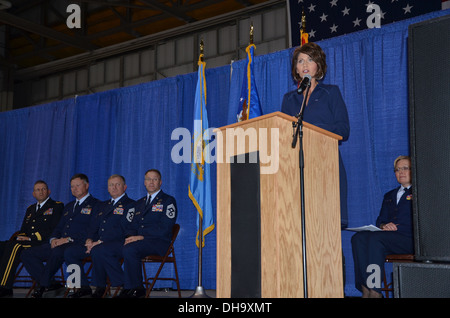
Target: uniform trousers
(9, 260)
(34, 259)
(133, 253)
(106, 260)
(372, 248)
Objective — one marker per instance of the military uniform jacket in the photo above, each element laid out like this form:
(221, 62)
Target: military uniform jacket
(156, 220)
(400, 214)
(112, 221)
(75, 222)
(38, 225)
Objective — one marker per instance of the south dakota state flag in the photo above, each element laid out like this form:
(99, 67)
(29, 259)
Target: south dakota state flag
(249, 104)
(200, 181)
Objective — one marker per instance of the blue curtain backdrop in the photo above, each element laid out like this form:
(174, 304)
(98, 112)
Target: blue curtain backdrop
(129, 130)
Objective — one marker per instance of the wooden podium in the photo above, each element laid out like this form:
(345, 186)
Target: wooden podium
(272, 263)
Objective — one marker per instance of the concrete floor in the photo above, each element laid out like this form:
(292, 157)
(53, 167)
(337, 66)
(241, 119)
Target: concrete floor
(162, 293)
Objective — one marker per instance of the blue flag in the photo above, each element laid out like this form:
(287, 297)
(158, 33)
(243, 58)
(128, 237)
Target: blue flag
(249, 104)
(200, 180)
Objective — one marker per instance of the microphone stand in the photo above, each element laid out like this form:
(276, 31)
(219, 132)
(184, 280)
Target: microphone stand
(298, 135)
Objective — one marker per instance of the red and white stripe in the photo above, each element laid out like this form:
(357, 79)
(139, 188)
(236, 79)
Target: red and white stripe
(445, 4)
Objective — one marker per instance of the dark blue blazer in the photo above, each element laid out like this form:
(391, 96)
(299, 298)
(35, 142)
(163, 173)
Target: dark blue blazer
(156, 220)
(75, 224)
(400, 214)
(111, 221)
(326, 109)
(38, 225)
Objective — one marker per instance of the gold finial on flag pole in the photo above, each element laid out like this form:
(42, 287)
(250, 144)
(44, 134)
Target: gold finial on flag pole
(251, 32)
(303, 21)
(202, 47)
(303, 35)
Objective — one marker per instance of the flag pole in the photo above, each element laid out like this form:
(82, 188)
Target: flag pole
(199, 290)
(250, 42)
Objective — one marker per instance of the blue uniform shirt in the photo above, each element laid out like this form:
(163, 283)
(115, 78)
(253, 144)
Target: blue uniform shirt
(399, 214)
(156, 220)
(112, 221)
(74, 223)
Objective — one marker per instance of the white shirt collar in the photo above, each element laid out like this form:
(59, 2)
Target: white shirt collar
(153, 195)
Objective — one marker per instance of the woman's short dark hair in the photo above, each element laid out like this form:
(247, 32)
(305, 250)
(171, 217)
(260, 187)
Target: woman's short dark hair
(316, 53)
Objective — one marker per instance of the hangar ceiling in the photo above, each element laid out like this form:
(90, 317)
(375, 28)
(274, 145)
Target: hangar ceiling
(36, 32)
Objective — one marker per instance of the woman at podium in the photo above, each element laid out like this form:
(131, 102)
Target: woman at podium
(324, 106)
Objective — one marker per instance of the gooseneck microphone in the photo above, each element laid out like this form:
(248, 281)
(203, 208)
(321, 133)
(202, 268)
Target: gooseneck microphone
(306, 81)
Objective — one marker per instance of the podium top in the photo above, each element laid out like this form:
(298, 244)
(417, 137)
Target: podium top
(287, 118)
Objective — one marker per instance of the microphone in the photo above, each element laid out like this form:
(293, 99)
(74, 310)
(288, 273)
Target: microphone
(306, 81)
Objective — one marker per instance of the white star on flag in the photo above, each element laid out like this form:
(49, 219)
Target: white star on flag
(325, 19)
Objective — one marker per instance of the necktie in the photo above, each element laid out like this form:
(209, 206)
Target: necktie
(406, 192)
(38, 207)
(149, 199)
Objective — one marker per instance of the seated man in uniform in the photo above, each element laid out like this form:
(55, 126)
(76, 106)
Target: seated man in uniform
(67, 240)
(396, 237)
(40, 220)
(150, 232)
(107, 235)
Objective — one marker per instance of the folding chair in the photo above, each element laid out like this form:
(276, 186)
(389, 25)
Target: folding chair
(59, 278)
(169, 257)
(88, 273)
(108, 286)
(394, 258)
(19, 278)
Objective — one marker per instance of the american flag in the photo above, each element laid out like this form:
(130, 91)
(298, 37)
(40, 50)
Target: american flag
(329, 18)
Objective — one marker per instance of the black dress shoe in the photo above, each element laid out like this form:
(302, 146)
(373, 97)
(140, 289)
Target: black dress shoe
(38, 292)
(55, 286)
(6, 292)
(123, 293)
(83, 291)
(137, 293)
(99, 292)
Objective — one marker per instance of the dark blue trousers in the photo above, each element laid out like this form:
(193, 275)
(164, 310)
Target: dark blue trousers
(74, 254)
(42, 262)
(372, 247)
(132, 256)
(106, 259)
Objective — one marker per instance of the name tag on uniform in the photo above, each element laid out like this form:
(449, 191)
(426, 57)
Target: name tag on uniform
(157, 208)
(86, 211)
(118, 211)
(49, 212)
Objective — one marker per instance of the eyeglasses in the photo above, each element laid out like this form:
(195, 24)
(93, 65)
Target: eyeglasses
(401, 169)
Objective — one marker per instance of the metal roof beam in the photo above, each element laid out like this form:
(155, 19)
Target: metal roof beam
(32, 27)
